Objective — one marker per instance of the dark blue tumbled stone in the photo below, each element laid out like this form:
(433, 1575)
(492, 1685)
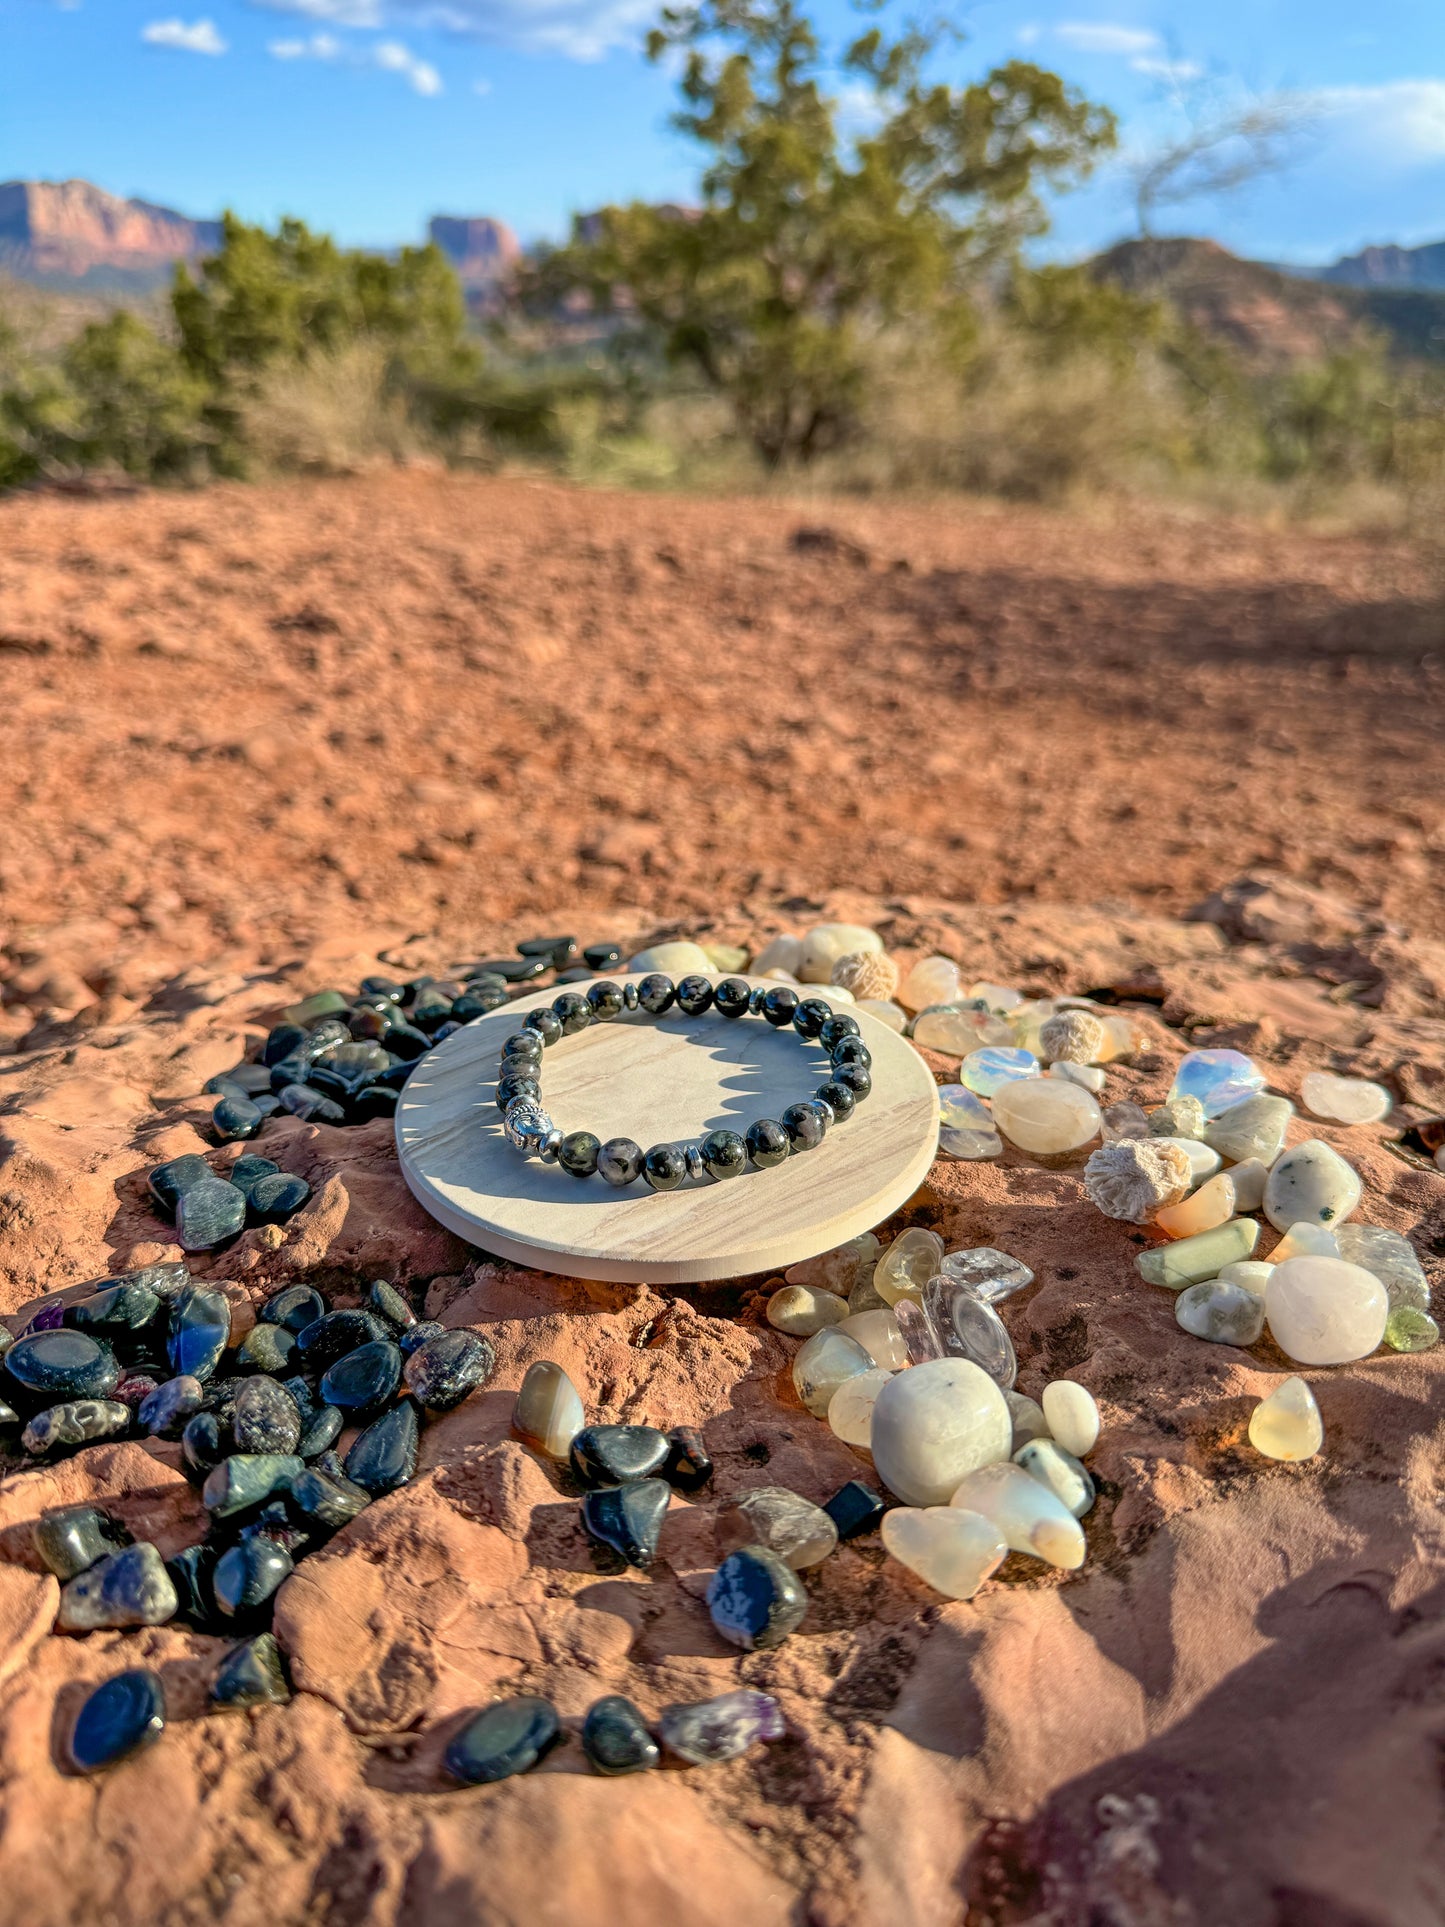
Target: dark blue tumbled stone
(385, 1302)
(384, 1457)
(334, 1334)
(126, 1588)
(320, 1429)
(755, 1599)
(855, 1508)
(324, 1503)
(616, 1454)
(310, 1105)
(266, 1418)
(121, 1716)
(615, 1737)
(296, 1307)
(507, 1738)
(202, 1445)
(283, 1041)
(121, 1311)
(447, 1369)
(246, 1480)
(168, 1181)
(191, 1572)
(70, 1539)
(377, 1100)
(246, 1578)
(628, 1518)
(266, 1348)
(249, 1169)
(382, 989)
(272, 1200)
(290, 1070)
(210, 1213)
(200, 1326)
(418, 1334)
(251, 1674)
(63, 1364)
(602, 956)
(171, 1406)
(406, 1041)
(235, 1116)
(365, 1379)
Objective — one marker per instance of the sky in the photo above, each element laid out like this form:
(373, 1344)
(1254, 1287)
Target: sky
(365, 117)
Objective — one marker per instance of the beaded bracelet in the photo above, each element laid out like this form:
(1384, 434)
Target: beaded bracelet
(721, 1154)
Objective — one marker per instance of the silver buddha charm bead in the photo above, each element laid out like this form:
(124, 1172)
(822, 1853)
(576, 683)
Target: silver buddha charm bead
(527, 1127)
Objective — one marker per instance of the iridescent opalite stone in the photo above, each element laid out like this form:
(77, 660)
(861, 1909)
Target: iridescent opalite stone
(984, 1071)
(1218, 1078)
(965, 1125)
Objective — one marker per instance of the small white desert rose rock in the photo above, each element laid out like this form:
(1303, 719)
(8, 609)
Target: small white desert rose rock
(1072, 1037)
(867, 973)
(1135, 1177)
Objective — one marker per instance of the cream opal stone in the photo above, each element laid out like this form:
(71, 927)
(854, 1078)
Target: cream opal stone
(1311, 1183)
(1072, 1416)
(801, 1310)
(906, 1266)
(827, 1359)
(1203, 1162)
(952, 1551)
(933, 981)
(1324, 1311)
(850, 1410)
(779, 953)
(879, 1334)
(1252, 1128)
(934, 1424)
(1250, 1179)
(674, 960)
(887, 1012)
(1121, 1037)
(825, 943)
(1202, 1210)
(1046, 1118)
(1026, 1512)
(1349, 1100)
(548, 1413)
(1306, 1241)
(1287, 1425)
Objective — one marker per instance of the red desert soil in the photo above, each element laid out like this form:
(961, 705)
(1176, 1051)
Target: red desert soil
(255, 740)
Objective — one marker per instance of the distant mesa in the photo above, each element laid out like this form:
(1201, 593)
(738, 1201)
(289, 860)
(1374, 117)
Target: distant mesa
(1390, 267)
(482, 251)
(69, 234)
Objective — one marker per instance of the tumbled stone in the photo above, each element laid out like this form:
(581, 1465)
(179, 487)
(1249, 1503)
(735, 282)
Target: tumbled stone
(385, 1302)
(123, 1714)
(1250, 1178)
(987, 1072)
(855, 1508)
(1180, 1117)
(1046, 1118)
(1410, 1330)
(1286, 1425)
(324, 1503)
(850, 1410)
(879, 1334)
(907, 1265)
(755, 1599)
(1253, 1128)
(1311, 1184)
(417, 1335)
(822, 1365)
(1223, 1313)
(61, 1364)
(887, 1012)
(1071, 1037)
(77, 1422)
(129, 1588)
(1218, 1078)
(956, 1030)
(266, 1418)
(1133, 1178)
(165, 1412)
(1064, 1475)
(1347, 1100)
(675, 960)
(1123, 1121)
(935, 1423)
(209, 1214)
(627, 1519)
(616, 1454)
(548, 1413)
(1025, 1511)
(268, 1349)
(122, 1315)
(1324, 1311)
(800, 1310)
(920, 1340)
(384, 1456)
(708, 1732)
(293, 1309)
(168, 1181)
(1191, 1260)
(933, 980)
(865, 1295)
(329, 1338)
(837, 1271)
(783, 953)
(1391, 1258)
(275, 1200)
(442, 1372)
(990, 1274)
(799, 1532)
(200, 1327)
(1251, 1273)
(689, 1465)
(965, 1124)
(247, 1578)
(1203, 1161)
(71, 1539)
(1212, 1204)
(969, 1328)
(251, 1674)
(1088, 1076)
(247, 1479)
(1306, 1241)
(190, 1573)
(234, 1118)
(1072, 1415)
(615, 1737)
(1027, 1416)
(202, 1446)
(951, 1550)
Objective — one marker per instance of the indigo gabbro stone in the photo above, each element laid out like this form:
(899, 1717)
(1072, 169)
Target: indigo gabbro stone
(71, 1539)
(169, 1180)
(605, 1000)
(210, 1213)
(655, 993)
(445, 1370)
(235, 1116)
(707, 1732)
(246, 1579)
(664, 1167)
(294, 1308)
(200, 1326)
(615, 1737)
(694, 996)
(167, 1410)
(755, 1599)
(627, 1519)
(122, 1314)
(266, 1418)
(507, 1738)
(364, 1380)
(578, 1153)
(602, 956)
(129, 1588)
(336, 1333)
(63, 1364)
(619, 1162)
(855, 1508)
(733, 997)
(385, 1302)
(248, 1479)
(201, 1445)
(724, 1154)
(384, 1457)
(616, 1454)
(191, 1572)
(768, 1143)
(120, 1717)
(417, 1335)
(251, 1674)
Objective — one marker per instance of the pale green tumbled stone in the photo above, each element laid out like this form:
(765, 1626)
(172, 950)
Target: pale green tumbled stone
(1311, 1183)
(1064, 1475)
(1252, 1128)
(1224, 1314)
(1190, 1261)
(1409, 1330)
(1392, 1259)
(1180, 1117)
(726, 957)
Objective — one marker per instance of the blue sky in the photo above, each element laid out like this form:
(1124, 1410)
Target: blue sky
(366, 116)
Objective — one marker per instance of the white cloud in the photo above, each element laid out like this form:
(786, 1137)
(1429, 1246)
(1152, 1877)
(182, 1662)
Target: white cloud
(420, 75)
(1394, 125)
(201, 38)
(1157, 67)
(389, 55)
(576, 29)
(1104, 37)
(339, 13)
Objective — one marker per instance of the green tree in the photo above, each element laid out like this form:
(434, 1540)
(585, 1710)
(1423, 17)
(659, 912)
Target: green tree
(136, 406)
(809, 243)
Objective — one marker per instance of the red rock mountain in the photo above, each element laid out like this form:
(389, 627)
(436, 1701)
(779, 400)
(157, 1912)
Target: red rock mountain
(482, 251)
(64, 232)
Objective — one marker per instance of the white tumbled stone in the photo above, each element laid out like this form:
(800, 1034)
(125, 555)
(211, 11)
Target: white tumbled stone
(1028, 1419)
(1348, 1100)
(1223, 1313)
(1250, 1178)
(801, 1310)
(1252, 1128)
(1325, 1311)
(1204, 1161)
(778, 953)
(934, 980)
(837, 1270)
(1287, 1425)
(825, 1361)
(825, 943)
(1180, 1117)
(1025, 1511)
(935, 1423)
(1311, 1183)
(952, 1551)
(1393, 1261)
(1063, 1474)
(1072, 1416)
(886, 1011)
(1252, 1273)
(1088, 1076)
(1306, 1241)
(879, 1335)
(850, 1410)
(674, 960)
(1046, 1118)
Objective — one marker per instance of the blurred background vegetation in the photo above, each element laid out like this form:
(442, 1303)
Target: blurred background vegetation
(849, 305)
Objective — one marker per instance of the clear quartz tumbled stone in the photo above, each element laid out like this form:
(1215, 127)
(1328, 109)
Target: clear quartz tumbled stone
(907, 1265)
(1286, 1425)
(1392, 1259)
(990, 1274)
(968, 1328)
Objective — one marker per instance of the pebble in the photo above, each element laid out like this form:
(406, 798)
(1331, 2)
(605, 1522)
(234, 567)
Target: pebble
(384, 1456)
(1251, 1273)
(235, 1117)
(502, 1740)
(385, 1302)
(121, 1314)
(247, 1578)
(708, 1732)
(915, 1256)
(957, 1030)
(200, 1327)
(1287, 1424)
(1324, 1311)
(1250, 1178)
(1224, 1313)
(548, 1413)
(1125, 1120)
(249, 1169)
(627, 1519)
(127, 1588)
(63, 1365)
(990, 1274)
(602, 956)
(1218, 1078)
(952, 1550)
(987, 1072)
(1410, 1330)
(443, 1371)
(1192, 1260)
(821, 1366)
(165, 1411)
(329, 1338)
(169, 1180)
(933, 980)
(688, 1467)
(800, 1310)
(969, 1328)
(274, 1200)
(615, 1737)
(209, 1213)
(1046, 1118)
(1347, 1100)
(1072, 1416)
(755, 1599)
(1253, 1128)
(965, 1124)
(1064, 1475)
(617, 1454)
(855, 1508)
(71, 1539)
(1306, 1241)
(837, 1271)
(1391, 1258)
(865, 1295)
(294, 1308)
(1180, 1117)
(675, 960)
(879, 1334)
(418, 1334)
(1088, 1076)
(251, 1674)
(1312, 1182)
(266, 1419)
(1212, 1204)
(78, 1422)
(799, 1532)
(919, 1338)
(1028, 1419)
(123, 1714)
(1133, 1178)
(826, 943)
(266, 1348)
(201, 1445)
(1025, 1511)
(850, 1410)
(934, 1424)
(190, 1573)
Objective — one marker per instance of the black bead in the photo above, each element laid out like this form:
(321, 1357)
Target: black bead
(855, 1508)
(804, 1126)
(363, 1380)
(810, 1016)
(655, 993)
(251, 1675)
(627, 1519)
(694, 996)
(578, 1154)
(559, 951)
(545, 1023)
(835, 1028)
(296, 1307)
(689, 1464)
(573, 1012)
(851, 1050)
(724, 1154)
(507, 1738)
(780, 1006)
(124, 1714)
(602, 956)
(523, 1043)
(767, 1143)
(615, 1737)
(838, 1097)
(511, 1088)
(447, 1369)
(664, 1167)
(733, 997)
(606, 1001)
(619, 1162)
(384, 1457)
(515, 970)
(857, 1079)
(63, 1364)
(616, 1454)
(755, 1599)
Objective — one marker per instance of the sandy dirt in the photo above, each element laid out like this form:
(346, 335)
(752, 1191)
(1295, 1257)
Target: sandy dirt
(257, 741)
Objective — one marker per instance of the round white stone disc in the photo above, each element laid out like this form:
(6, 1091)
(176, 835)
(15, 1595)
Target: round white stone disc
(662, 1080)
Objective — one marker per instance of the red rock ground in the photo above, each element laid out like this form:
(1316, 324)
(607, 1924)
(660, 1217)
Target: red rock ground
(252, 740)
